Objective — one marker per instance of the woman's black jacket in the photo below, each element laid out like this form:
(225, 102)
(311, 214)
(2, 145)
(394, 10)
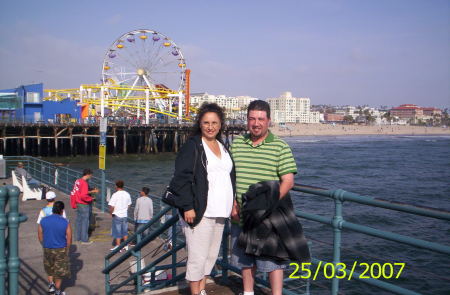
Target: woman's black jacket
(192, 189)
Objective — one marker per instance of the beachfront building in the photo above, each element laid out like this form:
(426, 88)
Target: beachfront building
(235, 106)
(408, 112)
(334, 118)
(289, 109)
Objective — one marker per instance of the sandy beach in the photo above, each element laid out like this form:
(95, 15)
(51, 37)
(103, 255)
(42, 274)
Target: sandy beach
(338, 130)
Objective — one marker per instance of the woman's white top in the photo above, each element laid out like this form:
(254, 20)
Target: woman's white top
(220, 189)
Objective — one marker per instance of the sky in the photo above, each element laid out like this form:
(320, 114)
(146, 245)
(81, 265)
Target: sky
(352, 52)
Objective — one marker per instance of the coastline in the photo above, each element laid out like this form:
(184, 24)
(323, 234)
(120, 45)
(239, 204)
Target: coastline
(342, 130)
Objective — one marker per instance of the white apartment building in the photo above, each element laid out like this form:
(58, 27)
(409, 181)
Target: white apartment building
(288, 109)
(232, 105)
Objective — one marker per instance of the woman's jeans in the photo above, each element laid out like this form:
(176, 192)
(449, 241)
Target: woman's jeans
(82, 223)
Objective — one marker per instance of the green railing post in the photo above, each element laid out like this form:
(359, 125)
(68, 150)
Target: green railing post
(13, 237)
(107, 283)
(3, 223)
(138, 265)
(174, 243)
(103, 189)
(337, 225)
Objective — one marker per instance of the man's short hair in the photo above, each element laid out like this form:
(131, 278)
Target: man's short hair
(119, 183)
(146, 190)
(58, 207)
(259, 105)
(19, 164)
(87, 171)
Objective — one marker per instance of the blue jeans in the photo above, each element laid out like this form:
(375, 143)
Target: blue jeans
(145, 232)
(82, 223)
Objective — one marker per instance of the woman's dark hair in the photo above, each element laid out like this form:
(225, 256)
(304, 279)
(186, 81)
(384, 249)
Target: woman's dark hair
(58, 207)
(259, 105)
(209, 108)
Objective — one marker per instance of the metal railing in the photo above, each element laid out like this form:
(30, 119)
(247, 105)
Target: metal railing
(135, 251)
(45, 172)
(9, 247)
(338, 223)
(63, 178)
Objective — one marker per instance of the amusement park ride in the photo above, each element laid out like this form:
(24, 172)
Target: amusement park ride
(143, 74)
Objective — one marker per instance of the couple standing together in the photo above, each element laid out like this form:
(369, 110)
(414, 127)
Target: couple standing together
(210, 181)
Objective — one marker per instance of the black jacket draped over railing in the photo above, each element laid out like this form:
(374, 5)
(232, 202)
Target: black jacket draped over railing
(271, 229)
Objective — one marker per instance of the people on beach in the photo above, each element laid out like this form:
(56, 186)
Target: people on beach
(118, 207)
(48, 209)
(143, 210)
(204, 185)
(259, 156)
(20, 171)
(80, 200)
(55, 236)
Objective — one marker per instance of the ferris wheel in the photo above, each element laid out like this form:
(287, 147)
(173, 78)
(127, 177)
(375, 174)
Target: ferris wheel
(144, 59)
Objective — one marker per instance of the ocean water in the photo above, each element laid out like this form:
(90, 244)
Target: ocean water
(409, 169)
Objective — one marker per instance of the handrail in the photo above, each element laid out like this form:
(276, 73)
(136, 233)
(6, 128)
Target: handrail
(136, 252)
(338, 223)
(133, 237)
(348, 196)
(45, 171)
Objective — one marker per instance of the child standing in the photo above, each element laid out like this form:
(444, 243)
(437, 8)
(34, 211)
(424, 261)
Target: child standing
(118, 207)
(143, 211)
(47, 210)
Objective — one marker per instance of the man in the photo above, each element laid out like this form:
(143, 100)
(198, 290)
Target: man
(48, 210)
(20, 171)
(259, 156)
(55, 235)
(81, 200)
(118, 207)
(143, 210)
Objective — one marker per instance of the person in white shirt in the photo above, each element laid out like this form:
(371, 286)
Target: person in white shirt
(203, 182)
(118, 207)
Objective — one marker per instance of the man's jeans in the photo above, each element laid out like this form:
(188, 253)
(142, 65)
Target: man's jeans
(82, 223)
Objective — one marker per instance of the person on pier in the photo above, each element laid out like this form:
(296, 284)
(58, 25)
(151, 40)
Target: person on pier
(48, 209)
(261, 159)
(20, 171)
(55, 236)
(143, 210)
(118, 207)
(81, 199)
(203, 184)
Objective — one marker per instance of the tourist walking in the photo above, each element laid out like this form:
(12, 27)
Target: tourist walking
(118, 207)
(48, 209)
(55, 236)
(203, 184)
(143, 210)
(80, 200)
(261, 157)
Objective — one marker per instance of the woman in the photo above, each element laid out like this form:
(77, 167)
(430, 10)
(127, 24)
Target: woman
(204, 181)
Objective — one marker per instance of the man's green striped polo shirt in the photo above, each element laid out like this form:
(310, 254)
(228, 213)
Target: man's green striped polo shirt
(268, 160)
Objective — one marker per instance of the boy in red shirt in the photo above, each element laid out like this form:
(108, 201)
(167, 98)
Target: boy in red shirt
(81, 200)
